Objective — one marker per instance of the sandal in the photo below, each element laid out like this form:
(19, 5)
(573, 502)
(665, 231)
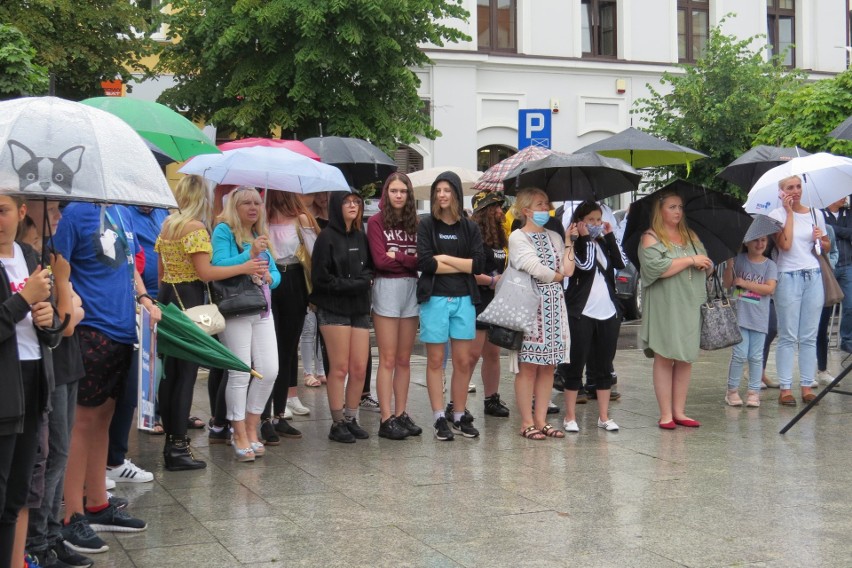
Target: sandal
(312, 381)
(532, 433)
(156, 429)
(195, 423)
(552, 432)
(322, 379)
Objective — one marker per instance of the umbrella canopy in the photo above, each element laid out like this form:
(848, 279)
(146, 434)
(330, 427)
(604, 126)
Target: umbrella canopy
(825, 179)
(162, 158)
(762, 226)
(574, 177)
(717, 219)
(422, 180)
(747, 169)
(492, 178)
(641, 150)
(272, 168)
(292, 145)
(360, 161)
(173, 133)
(843, 130)
(63, 150)
(178, 336)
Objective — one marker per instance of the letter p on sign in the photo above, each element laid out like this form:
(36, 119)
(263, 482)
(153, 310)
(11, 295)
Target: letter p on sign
(534, 128)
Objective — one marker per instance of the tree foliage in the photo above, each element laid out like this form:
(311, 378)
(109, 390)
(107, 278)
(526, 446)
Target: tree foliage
(255, 66)
(805, 116)
(19, 75)
(83, 42)
(716, 105)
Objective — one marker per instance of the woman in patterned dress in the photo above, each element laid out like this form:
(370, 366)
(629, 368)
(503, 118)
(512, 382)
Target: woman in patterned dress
(544, 255)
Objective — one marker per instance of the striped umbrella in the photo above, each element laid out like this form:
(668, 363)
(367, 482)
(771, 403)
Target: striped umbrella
(492, 178)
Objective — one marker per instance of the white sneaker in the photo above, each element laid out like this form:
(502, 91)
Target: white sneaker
(129, 473)
(295, 405)
(288, 413)
(369, 403)
(110, 484)
(570, 426)
(471, 388)
(824, 378)
(609, 425)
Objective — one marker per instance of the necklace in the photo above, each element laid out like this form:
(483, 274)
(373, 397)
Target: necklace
(680, 250)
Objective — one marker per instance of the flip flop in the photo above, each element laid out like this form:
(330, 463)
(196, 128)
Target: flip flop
(195, 423)
(156, 430)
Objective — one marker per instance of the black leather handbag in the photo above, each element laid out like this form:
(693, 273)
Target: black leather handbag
(510, 339)
(238, 296)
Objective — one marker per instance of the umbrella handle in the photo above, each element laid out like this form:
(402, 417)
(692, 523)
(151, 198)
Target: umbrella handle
(256, 375)
(61, 327)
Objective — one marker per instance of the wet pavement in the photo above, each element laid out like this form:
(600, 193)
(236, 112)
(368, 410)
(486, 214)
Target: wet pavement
(730, 493)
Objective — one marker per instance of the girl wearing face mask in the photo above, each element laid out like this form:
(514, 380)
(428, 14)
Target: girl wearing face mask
(543, 254)
(593, 311)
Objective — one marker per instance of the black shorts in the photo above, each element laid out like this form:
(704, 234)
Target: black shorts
(106, 363)
(325, 317)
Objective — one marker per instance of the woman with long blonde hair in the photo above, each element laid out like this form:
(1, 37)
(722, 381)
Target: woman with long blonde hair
(185, 250)
(242, 234)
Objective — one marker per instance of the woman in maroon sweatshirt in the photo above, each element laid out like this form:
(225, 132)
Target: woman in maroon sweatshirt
(392, 234)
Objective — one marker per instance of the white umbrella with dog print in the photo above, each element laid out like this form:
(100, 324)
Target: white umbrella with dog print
(56, 149)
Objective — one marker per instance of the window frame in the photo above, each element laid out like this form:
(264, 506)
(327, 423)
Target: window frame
(688, 7)
(595, 32)
(774, 14)
(493, 13)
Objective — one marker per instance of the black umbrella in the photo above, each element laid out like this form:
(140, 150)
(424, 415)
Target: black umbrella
(360, 161)
(162, 158)
(747, 169)
(843, 130)
(718, 219)
(641, 150)
(574, 177)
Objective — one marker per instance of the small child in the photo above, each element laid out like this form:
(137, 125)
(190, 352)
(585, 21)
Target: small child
(755, 277)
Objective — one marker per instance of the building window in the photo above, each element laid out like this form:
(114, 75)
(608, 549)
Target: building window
(496, 23)
(599, 28)
(693, 27)
(408, 160)
(781, 27)
(487, 156)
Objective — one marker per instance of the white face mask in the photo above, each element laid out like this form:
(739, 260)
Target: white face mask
(595, 231)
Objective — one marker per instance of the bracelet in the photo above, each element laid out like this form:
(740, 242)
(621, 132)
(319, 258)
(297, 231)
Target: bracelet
(492, 283)
(693, 260)
(145, 295)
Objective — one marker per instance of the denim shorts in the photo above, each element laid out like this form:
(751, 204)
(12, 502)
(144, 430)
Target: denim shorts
(395, 297)
(445, 317)
(325, 317)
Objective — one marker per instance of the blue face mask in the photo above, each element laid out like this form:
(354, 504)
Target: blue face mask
(540, 218)
(595, 231)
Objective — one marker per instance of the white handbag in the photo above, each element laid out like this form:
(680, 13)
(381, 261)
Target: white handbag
(206, 316)
(516, 302)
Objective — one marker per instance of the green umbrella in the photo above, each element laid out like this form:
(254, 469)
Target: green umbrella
(178, 336)
(169, 131)
(641, 150)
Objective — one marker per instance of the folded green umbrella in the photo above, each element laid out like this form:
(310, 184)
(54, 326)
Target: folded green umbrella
(178, 336)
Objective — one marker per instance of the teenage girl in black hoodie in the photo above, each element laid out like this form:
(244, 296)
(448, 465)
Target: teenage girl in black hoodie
(342, 273)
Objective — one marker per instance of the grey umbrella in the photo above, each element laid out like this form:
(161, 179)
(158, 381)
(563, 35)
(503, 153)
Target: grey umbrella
(843, 130)
(747, 169)
(360, 161)
(642, 150)
(762, 226)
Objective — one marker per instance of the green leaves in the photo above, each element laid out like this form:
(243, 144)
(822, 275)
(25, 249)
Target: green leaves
(19, 74)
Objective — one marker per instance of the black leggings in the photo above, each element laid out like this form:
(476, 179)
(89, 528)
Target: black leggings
(289, 305)
(178, 383)
(586, 332)
(772, 332)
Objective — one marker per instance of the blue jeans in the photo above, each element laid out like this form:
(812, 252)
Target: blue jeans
(844, 278)
(749, 349)
(799, 297)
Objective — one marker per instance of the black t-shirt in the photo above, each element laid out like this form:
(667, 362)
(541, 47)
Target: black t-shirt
(453, 285)
(495, 263)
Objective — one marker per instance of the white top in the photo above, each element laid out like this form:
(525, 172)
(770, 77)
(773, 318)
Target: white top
(16, 268)
(599, 305)
(522, 255)
(801, 254)
(285, 241)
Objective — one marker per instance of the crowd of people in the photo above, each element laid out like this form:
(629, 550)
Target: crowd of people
(67, 334)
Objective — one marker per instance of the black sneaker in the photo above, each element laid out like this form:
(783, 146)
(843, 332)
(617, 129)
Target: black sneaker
(80, 537)
(392, 429)
(356, 429)
(222, 437)
(464, 426)
(448, 412)
(442, 430)
(582, 396)
(113, 520)
(614, 394)
(268, 433)
(406, 422)
(283, 428)
(495, 407)
(116, 501)
(340, 433)
(69, 557)
(43, 559)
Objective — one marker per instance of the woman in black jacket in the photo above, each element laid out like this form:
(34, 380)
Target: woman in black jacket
(25, 343)
(341, 274)
(593, 311)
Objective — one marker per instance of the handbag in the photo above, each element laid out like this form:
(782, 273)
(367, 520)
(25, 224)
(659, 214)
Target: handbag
(304, 258)
(238, 296)
(206, 316)
(833, 292)
(510, 339)
(516, 302)
(719, 325)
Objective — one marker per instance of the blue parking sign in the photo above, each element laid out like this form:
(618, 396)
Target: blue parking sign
(534, 127)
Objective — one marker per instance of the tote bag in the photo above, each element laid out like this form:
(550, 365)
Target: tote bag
(516, 302)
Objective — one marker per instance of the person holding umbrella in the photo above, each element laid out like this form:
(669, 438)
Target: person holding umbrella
(240, 236)
(184, 266)
(673, 267)
(799, 295)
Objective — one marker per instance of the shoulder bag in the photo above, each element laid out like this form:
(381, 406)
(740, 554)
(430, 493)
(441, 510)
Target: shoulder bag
(719, 325)
(516, 302)
(206, 316)
(304, 258)
(239, 295)
(833, 291)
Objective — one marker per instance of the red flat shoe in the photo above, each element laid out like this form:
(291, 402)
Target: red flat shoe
(667, 425)
(688, 422)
